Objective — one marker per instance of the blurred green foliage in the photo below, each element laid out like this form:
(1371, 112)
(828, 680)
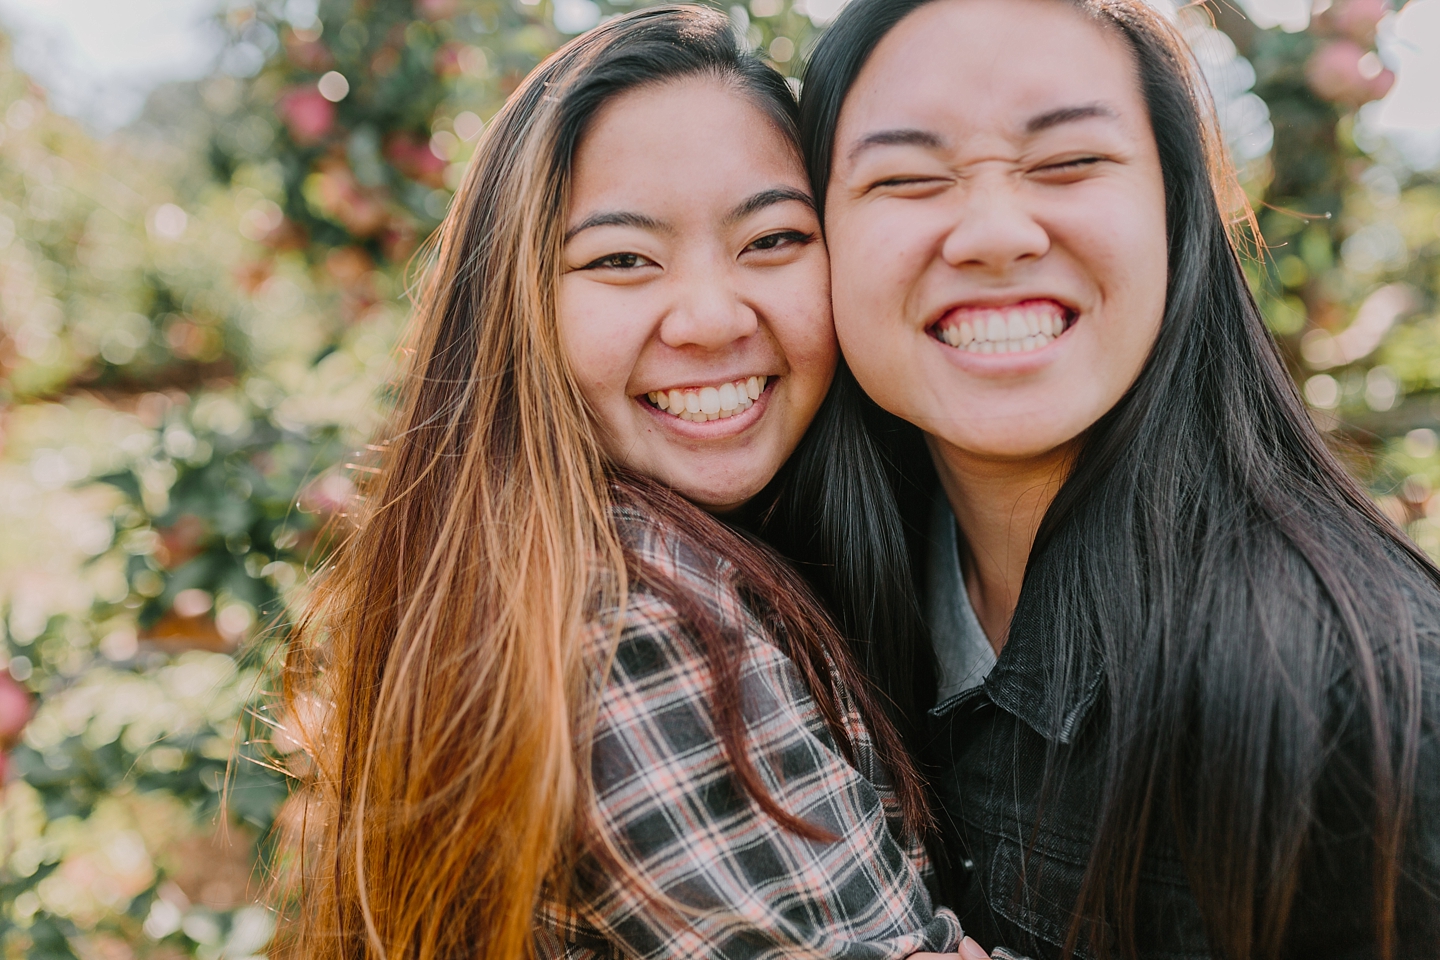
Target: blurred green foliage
(196, 333)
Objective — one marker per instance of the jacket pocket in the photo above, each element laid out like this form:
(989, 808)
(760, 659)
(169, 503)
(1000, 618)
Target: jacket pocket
(1035, 887)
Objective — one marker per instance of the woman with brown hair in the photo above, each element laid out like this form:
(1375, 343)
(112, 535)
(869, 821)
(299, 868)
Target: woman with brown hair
(578, 710)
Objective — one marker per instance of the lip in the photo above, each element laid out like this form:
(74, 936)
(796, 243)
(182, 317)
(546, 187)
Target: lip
(713, 381)
(712, 429)
(998, 301)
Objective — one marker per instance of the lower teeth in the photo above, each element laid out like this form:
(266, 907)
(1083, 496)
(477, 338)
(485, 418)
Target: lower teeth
(722, 415)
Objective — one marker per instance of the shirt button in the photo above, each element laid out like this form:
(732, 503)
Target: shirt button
(968, 866)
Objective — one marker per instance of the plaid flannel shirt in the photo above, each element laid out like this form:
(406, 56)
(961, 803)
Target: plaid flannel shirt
(666, 801)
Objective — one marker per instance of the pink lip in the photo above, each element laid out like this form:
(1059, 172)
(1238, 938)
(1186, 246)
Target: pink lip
(712, 429)
(1002, 303)
(711, 381)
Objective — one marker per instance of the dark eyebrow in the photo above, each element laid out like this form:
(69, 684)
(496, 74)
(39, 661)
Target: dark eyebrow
(896, 138)
(1054, 118)
(618, 218)
(766, 198)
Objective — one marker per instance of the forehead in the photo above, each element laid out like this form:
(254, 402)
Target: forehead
(992, 64)
(683, 141)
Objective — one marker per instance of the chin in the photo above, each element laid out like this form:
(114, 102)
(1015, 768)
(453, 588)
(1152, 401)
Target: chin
(716, 497)
(1008, 444)
(715, 501)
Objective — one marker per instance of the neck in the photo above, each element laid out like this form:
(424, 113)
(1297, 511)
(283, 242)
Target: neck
(999, 505)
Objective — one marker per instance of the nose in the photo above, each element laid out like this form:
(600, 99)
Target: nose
(708, 312)
(994, 232)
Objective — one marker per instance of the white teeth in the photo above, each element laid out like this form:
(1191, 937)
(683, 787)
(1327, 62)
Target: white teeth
(1004, 331)
(710, 403)
(1010, 346)
(729, 398)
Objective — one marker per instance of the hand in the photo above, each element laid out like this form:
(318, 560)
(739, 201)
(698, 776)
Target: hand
(969, 950)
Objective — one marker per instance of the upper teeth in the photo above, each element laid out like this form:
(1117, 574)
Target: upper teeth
(700, 404)
(1008, 330)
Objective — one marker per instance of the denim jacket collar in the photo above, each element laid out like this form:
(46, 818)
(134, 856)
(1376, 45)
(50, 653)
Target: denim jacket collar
(1022, 683)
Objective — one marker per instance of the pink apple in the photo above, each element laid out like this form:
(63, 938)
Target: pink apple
(15, 708)
(1358, 19)
(307, 114)
(1336, 73)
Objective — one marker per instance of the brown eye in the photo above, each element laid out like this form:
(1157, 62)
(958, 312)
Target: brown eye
(773, 241)
(619, 261)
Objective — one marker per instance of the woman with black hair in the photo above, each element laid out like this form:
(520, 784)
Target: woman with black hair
(1187, 673)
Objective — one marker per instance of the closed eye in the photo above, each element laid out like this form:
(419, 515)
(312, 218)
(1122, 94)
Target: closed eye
(619, 261)
(908, 185)
(1068, 166)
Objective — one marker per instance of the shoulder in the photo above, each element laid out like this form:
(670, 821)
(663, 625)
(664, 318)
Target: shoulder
(667, 549)
(672, 579)
(658, 655)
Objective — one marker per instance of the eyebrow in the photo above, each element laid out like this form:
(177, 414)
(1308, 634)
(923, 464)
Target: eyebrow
(751, 204)
(896, 138)
(766, 198)
(933, 141)
(618, 218)
(1054, 118)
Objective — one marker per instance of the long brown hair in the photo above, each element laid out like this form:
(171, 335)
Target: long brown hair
(447, 787)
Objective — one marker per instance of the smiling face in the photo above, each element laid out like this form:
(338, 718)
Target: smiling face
(996, 220)
(694, 306)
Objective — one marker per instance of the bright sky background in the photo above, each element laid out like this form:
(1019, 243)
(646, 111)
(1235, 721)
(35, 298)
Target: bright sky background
(99, 58)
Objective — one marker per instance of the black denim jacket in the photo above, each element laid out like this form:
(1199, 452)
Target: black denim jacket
(1014, 883)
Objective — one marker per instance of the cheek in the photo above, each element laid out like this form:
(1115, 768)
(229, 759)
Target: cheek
(1124, 254)
(798, 309)
(1119, 243)
(1131, 233)
(880, 254)
(600, 338)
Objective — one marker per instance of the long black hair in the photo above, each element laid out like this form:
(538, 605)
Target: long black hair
(832, 512)
(1261, 625)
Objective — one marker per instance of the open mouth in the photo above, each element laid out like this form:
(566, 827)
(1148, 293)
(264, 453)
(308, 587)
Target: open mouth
(718, 402)
(1017, 328)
